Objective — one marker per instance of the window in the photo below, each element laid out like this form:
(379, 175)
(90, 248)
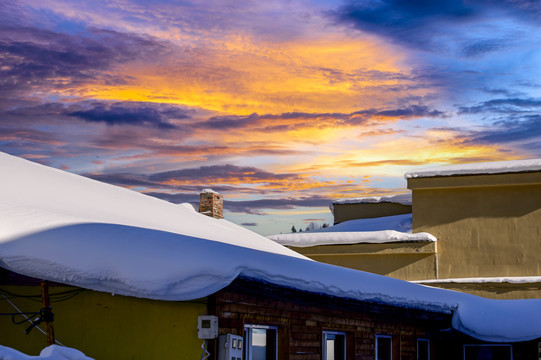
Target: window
(488, 352)
(384, 347)
(334, 345)
(261, 342)
(423, 349)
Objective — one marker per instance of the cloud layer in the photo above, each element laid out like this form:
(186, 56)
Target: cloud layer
(280, 106)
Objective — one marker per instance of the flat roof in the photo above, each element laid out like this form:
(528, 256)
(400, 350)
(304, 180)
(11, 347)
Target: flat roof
(494, 167)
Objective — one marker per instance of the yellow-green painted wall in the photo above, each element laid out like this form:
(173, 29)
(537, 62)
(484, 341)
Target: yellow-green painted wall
(345, 212)
(104, 326)
(486, 225)
(401, 260)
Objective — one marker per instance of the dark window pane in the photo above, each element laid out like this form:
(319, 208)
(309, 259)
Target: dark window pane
(423, 350)
(383, 345)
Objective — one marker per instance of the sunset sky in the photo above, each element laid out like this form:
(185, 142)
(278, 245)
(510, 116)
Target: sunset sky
(281, 106)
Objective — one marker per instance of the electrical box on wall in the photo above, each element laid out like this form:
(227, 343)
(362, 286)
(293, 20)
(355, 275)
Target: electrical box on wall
(207, 327)
(230, 347)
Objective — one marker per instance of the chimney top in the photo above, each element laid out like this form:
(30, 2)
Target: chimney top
(211, 204)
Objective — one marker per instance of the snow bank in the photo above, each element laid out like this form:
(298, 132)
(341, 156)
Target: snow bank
(53, 352)
(64, 228)
(495, 167)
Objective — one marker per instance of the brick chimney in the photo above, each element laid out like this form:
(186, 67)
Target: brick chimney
(211, 204)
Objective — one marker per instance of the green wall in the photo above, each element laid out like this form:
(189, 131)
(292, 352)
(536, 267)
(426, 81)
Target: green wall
(104, 326)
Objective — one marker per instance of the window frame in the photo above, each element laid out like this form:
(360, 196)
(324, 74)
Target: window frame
(324, 341)
(383, 336)
(428, 348)
(248, 336)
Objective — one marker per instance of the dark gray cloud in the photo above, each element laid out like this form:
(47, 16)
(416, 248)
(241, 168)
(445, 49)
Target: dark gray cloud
(505, 106)
(249, 224)
(302, 119)
(34, 58)
(405, 21)
(161, 116)
(509, 131)
(417, 23)
(194, 179)
(132, 113)
(412, 111)
(478, 48)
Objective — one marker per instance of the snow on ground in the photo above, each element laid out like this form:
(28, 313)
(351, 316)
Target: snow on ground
(65, 228)
(53, 352)
(385, 229)
(495, 167)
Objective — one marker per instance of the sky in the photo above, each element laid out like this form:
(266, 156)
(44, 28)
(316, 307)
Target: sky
(280, 106)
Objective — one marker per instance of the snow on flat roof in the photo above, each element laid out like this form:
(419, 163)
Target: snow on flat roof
(65, 228)
(385, 229)
(495, 167)
(306, 239)
(483, 280)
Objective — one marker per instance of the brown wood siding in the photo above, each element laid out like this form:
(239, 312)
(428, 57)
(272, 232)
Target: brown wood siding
(302, 317)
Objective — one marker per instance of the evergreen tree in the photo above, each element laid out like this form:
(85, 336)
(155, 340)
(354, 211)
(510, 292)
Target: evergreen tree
(293, 230)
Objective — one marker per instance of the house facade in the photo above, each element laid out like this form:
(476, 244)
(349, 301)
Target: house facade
(370, 207)
(487, 221)
(134, 277)
(279, 322)
(488, 225)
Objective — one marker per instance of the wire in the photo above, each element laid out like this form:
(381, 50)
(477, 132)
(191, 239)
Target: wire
(29, 319)
(55, 297)
(205, 354)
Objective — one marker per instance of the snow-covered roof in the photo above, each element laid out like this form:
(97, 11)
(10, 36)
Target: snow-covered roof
(396, 228)
(484, 280)
(35, 198)
(495, 167)
(404, 199)
(65, 228)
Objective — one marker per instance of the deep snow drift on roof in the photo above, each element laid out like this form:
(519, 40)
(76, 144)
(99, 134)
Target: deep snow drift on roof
(37, 197)
(494, 167)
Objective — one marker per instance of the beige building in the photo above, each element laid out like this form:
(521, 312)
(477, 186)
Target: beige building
(486, 218)
(370, 207)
